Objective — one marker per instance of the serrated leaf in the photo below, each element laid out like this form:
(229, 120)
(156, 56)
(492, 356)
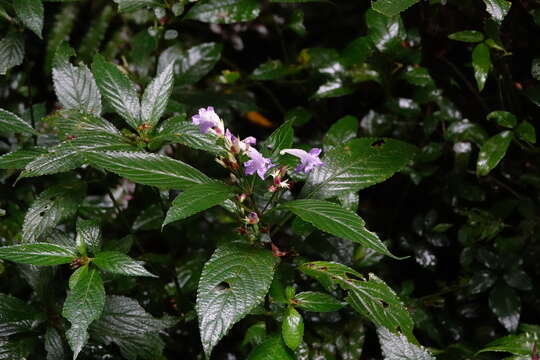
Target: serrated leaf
(233, 282)
(71, 123)
(50, 207)
(316, 301)
(371, 298)
(119, 263)
(481, 60)
(11, 51)
(335, 220)
(469, 36)
(83, 305)
(224, 11)
(30, 13)
(281, 138)
(149, 169)
(13, 310)
(132, 5)
(18, 159)
(16, 349)
(156, 96)
(125, 323)
(38, 254)
(54, 345)
(193, 64)
(341, 132)
(292, 328)
(178, 130)
(10, 123)
(385, 32)
(89, 234)
(521, 344)
(492, 152)
(273, 348)
(498, 9)
(118, 90)
(397, 347)
(196, 199)
(150, 218)
(356, 165)
(506, 305)
(392, 7)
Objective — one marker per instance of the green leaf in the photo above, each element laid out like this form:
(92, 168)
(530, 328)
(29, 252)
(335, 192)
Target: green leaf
(292, 329)
(59, 32)
(30, 13)
(132, 5)
(38, 254)
(11, 51)
(371, 298)
(75, 86)
(83, 305)
(196, 199)
(271, 70)
(273, 348)
(10, 122)
(280, 139)
(503, 118)
(119, 263)
(356, 165)
(89, 234)
(125, 323)
(54, 345)
(481, 61)
(233, 282)
(193, 64)
(506, 305)
(20, 349)
(535, 69)
(518, 279)
(317, 302)
(397, 347)
(156, 96)
(521, 344)
(13, 309)
(392, 7)
(342, 131)
(469, 36)
(419, 76)
(118, 90)
(18, 159)
(178, 130)
(385, 32)
(149, 169)
(526, 132)
(357, 51)
(224, 11)
(492, 152)
(498, 9)
(335, 220)
(50, 207)
(71, 123)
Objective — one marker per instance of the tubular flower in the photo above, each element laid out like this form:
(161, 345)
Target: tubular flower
(207, 120)
(237, 146)
(308, 160)
(258, 163)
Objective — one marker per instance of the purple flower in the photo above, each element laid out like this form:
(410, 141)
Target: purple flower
(208, 119)
(308, 160)
(236, 145)
(258, 163)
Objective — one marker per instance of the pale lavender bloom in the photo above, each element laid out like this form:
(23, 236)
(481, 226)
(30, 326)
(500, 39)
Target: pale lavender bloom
(236, 145)
(258, 163)
(308, 160)
(208, 119)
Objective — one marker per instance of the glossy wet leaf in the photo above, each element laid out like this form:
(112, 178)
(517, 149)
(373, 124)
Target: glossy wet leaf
(273, 348)
(38, 254)
(503, 118)
(149, 169)
(316, 301)
(30, 13)
(482, 281)
(419, 76)
(342, 131)
(492, 152)
(54, 345)
(89, 234)
(83, 305)
(335, 220)
(521, 344)
(392, 7)
(76, 88)
(156, 96)
(11, 123)
(469, 36)
(133, 5)
(386, 32)
(397, 347)
(271, 70)
(525, 131)
(292, 328)
(18, 159)
(498, 9)
(196, 199)
(481, 60)
(233, 282)
(13, 310)
(505, 303)
(281, 138)
(11, 51)
(117, 90)
(518, 279)
(118, 263)
(224, 11)
(356, 165)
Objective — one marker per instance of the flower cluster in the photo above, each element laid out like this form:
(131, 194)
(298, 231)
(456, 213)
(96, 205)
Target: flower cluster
(209, 121)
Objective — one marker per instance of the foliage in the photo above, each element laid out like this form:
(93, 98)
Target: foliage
(298, 179)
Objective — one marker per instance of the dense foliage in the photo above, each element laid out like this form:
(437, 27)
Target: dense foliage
(283, 179)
